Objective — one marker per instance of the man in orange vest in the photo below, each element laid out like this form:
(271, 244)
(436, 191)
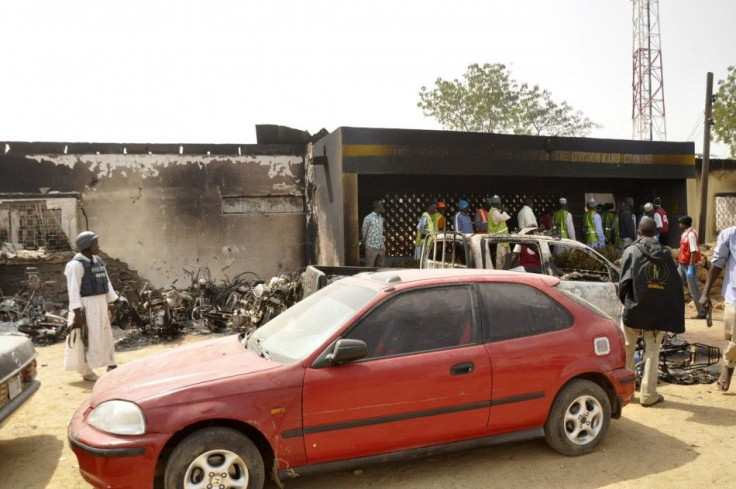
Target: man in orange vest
(480, 223)
(687, 262)
(439, 216)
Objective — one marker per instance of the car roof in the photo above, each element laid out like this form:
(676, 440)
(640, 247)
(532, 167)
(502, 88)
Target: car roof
(387, 278)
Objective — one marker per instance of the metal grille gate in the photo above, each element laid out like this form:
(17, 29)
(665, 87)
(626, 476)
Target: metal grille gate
(404, 209)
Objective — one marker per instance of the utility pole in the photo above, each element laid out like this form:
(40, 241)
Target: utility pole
(705, 169)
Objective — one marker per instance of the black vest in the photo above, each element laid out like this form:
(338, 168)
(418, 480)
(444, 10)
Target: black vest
(94, 280)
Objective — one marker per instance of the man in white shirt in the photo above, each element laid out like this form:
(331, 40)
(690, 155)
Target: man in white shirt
(526, 218)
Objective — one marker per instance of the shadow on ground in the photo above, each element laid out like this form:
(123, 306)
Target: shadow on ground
(29, 461)
(525, 465)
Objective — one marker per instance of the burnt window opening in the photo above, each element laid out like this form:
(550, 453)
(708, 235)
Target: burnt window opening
(277, 204)
(32, 225)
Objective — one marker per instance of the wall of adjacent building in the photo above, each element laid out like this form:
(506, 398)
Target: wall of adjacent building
(162, 211)
(722, 180)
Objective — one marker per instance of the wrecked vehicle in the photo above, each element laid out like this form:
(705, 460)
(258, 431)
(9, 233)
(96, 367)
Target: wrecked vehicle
(17, 374)
(582, 270)
(449, 359)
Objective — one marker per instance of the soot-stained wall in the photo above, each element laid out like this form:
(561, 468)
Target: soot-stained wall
(162, 212)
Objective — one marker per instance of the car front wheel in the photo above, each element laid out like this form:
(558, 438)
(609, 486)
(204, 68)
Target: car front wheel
(215, 458)
(579, 418)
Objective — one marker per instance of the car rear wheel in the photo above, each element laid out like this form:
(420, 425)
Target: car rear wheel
(579, 418)
(215, 458)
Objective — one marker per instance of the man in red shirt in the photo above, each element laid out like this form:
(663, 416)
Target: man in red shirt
(664, 232)
(687, 262)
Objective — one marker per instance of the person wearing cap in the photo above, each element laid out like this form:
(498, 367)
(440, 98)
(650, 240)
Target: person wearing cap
(649, 213)
(372, 234)
(665, 228)
(593, 225)
(562, 221)
(724, 257)
(480, 221)
(91, 304)
(462, 223)
(424, 227)
(687, 262)
(608, 218)
(438, 218)
(525, 218)
(627, 222)
(497, 225)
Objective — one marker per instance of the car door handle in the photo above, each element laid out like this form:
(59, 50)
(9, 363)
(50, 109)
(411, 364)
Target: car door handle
(462, 368)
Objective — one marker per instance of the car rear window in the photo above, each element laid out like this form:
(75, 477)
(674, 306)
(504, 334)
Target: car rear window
(513, 310)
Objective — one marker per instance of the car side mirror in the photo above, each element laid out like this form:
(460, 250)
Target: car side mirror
(345, 350)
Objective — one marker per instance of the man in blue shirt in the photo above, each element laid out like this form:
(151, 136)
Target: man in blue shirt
(372, 235)
(724, 257)
(463, 222)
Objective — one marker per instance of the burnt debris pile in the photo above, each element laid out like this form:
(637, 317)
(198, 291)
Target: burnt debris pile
(144, 314)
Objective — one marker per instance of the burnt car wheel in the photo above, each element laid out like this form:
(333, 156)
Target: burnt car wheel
(216, 458)
(579, 418)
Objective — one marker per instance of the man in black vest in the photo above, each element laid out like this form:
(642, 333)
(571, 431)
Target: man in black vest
(91, 297)
(651, 292)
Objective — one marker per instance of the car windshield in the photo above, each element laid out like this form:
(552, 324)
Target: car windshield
(296, 332)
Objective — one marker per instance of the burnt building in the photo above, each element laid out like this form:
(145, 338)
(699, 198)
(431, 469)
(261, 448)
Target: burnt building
(351, 167)
(161, 208)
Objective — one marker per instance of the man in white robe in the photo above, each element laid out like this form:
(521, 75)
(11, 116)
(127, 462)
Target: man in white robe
(91, 303)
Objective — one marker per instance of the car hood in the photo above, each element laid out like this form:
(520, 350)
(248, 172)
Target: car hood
(179, 368)
(15, 353)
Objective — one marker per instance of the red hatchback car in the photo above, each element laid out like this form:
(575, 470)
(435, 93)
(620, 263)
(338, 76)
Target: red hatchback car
(375, 367)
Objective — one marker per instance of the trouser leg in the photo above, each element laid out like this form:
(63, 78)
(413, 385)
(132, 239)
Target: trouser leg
(729, 329)
(652, 342)
(370, 256)
(631, 335)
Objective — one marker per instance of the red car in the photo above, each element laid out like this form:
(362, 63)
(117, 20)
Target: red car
(375, 367)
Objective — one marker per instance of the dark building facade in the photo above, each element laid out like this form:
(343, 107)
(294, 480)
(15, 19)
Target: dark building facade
(351, 167)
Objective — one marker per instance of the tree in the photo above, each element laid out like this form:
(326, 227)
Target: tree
(724, 111)
(488, 99)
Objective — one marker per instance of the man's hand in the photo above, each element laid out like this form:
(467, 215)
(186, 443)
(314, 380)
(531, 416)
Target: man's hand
(690, 271)
(705, 301)
(111, 310)
(78, 320)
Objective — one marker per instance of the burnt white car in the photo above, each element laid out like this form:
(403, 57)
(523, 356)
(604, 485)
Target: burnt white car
(17, 374)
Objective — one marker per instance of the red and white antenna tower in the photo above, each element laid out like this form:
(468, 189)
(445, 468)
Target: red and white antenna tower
(648, 81)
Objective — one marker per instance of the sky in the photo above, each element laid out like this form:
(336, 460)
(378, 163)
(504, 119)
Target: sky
(148, 71)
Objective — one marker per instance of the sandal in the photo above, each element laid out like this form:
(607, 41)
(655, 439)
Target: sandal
(724, 381)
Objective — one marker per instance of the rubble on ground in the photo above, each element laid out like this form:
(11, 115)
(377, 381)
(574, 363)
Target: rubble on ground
(704, 266)
(143, 313)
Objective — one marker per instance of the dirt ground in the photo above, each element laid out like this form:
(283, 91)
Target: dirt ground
(688, 441)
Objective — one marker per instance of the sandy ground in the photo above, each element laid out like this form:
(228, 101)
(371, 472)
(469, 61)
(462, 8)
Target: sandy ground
(687, 441)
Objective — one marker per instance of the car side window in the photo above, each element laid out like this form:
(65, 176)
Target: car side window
(577, 264)
(519, 310)
(418, 320)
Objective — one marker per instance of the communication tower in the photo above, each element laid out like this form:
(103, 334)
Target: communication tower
(648, 81)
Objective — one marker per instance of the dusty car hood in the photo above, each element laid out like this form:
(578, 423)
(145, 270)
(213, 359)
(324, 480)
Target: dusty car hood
(179, 368)
(15, 352)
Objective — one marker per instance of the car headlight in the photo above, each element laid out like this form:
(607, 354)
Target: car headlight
(118, 417)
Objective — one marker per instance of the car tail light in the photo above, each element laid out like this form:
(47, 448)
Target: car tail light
(29, 373)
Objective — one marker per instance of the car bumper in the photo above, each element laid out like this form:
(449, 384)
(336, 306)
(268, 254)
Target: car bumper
(9, 409)
(624, 383)
(114, 462)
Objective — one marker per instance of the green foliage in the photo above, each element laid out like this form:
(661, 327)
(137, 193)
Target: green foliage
(724, 111)
(488, 99)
